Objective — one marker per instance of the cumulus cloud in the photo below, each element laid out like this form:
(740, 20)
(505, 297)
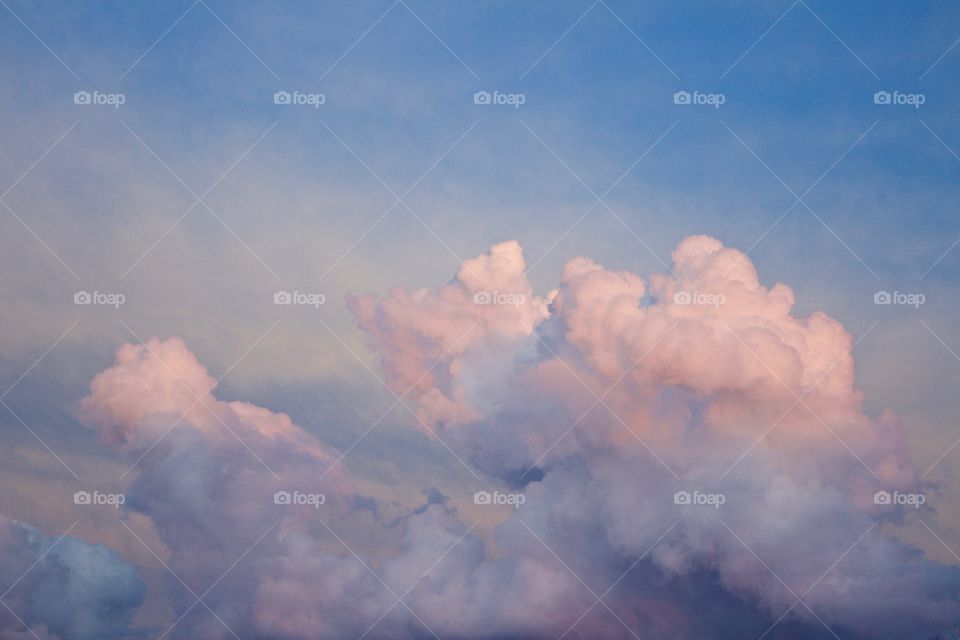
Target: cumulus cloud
(599, 401)
(64, 589)
(488, 309)
(697, 380)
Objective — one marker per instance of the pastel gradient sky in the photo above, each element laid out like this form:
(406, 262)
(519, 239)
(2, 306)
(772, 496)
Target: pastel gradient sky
(596, 394)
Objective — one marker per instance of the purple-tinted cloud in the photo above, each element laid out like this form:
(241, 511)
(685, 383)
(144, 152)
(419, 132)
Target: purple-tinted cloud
(682, 444)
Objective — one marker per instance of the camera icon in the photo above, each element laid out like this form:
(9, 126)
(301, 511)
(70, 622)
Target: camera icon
(882, 497)
(682, 497)
(282, 497)
(282, 97)
(81, 97)
(282, 297)
(882, 297)
(81, 497)
(482, 97)
(681, 97)
(482, 297)
(82, 297)
(881, 97)
(682, 297)
(482, 497)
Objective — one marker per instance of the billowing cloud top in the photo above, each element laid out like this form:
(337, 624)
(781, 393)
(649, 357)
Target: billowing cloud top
(684, 446)
(490, 303)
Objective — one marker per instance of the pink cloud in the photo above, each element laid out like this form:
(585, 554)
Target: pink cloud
(620, 391)
(451, 328)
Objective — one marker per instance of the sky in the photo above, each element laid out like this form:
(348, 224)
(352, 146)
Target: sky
(415, 319)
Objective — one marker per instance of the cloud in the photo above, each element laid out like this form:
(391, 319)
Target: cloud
(65, 589)
(599, 401)
(489, 306)
(701, 379)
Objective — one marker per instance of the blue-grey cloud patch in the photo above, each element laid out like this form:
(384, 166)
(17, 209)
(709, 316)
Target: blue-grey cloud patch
(74, 590)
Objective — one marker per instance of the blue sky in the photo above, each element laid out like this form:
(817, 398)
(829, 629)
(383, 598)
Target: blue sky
(826, 191)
